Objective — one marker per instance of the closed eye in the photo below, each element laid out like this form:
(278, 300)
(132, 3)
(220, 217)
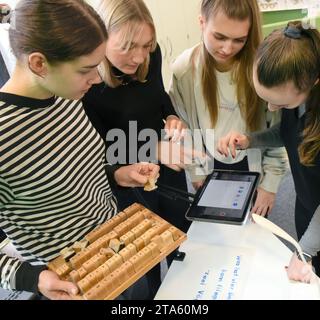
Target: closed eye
(240, 40)
(84, 71)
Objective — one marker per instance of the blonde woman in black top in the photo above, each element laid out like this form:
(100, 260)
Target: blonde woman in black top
(132, 99)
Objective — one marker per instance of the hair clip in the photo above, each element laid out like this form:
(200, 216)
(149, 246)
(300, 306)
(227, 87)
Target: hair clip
(5, 13)
(292, 32)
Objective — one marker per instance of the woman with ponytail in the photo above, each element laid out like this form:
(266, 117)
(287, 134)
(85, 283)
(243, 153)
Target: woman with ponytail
(212, 88)
(286, 75)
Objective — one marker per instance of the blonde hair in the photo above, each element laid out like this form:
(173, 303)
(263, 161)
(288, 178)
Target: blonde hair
(296, 60)
(127, 16)
(249, 102)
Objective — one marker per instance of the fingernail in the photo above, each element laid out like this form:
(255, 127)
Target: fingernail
(74, 291)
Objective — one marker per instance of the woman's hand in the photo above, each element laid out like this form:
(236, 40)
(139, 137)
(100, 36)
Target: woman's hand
(175, 128)
(197, 185)
(299, 270)
(177, 156)
(264, 202)
(53, 288)
(232, 141)
(136, 175)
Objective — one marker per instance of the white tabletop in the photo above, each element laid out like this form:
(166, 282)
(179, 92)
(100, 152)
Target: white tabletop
(232, 262)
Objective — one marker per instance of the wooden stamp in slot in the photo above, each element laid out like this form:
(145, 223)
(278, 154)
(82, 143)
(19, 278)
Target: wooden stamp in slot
(108, 252)
(74, 276)
(94, 262)
(104, 269)
(176, 233)
(146, 213)
(114, 262)
(100, 290)
(116, 245)
(82, 272)
(128, 268)
(121, 275)
(139, 243)
(167, 237)
(84, 285)
(122, 215)
(153, 247)
(133, 209)
(63, 270)
(158, 240)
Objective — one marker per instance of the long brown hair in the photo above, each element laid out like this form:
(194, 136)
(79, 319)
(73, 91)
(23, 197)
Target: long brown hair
(295, 59)
(128, 15)
(61, 30)
(250, 104)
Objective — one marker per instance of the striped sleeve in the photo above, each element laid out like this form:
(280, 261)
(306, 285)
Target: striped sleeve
(53, 183)
(8, 265)
(15, 274)
(18, 275)
(8, 269)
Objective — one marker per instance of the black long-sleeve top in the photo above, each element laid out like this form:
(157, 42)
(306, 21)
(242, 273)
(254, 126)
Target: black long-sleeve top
(147, 103)
(306, 178)
(289, 133)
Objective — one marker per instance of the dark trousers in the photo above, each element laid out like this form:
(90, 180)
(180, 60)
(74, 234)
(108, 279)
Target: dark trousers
(171, 210)
(303, 217)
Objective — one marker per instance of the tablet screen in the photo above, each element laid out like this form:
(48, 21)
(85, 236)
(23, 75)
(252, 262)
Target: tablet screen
(224, 197)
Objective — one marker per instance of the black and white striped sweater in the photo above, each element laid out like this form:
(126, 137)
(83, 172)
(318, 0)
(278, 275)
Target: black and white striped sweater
(53, 184)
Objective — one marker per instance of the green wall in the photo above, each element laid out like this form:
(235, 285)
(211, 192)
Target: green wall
(279, 19)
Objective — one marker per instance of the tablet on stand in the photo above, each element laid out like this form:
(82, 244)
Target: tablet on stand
(225, 197)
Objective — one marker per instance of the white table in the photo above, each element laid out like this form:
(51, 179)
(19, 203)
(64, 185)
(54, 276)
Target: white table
(232, 262)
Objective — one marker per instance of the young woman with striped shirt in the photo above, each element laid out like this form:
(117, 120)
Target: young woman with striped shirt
(53, 184)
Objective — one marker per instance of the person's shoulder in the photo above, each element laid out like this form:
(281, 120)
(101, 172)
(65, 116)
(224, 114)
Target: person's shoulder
(156, 54)
(96, 88)
(155, 60)
(94, 93)
(73, 105)
(183, 64)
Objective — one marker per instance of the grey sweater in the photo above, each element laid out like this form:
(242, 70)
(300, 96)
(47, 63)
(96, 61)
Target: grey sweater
(266, 138)
(310, 242)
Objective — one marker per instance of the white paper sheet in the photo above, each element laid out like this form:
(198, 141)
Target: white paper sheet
(213, 272)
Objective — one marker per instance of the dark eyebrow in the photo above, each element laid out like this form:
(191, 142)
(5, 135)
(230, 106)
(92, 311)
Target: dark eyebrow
(224, 36)
(90, 67)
